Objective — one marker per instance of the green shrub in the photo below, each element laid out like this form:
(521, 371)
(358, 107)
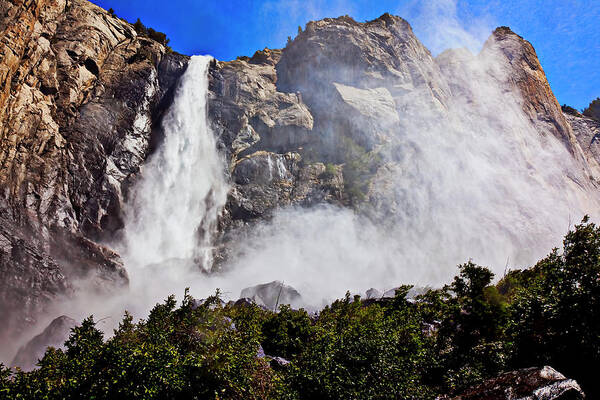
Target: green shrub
(359, 168)
(330, 171)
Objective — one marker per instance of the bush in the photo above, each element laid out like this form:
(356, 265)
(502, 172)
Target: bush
(330, 171)
(359, 167)
(556, 315)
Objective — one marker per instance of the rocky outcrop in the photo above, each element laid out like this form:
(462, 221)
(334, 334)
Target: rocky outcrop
(272, 294)
(362, 82)
(510, 62)
(80, 94)
(526, 74)
(526, 384)
(333, 56)
(54, 335)
(587, 132)
(30, 279)
(262, 132)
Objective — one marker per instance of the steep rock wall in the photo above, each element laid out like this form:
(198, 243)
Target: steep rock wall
(80, 93)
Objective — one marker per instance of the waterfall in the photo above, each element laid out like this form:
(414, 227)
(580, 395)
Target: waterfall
(174, 207)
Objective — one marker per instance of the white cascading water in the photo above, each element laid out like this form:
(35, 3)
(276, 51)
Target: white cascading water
(173, 212)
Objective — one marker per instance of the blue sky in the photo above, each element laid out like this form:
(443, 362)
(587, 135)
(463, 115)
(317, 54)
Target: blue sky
(565, 34)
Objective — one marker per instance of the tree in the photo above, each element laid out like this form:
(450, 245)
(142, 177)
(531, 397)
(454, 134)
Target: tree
(139, 27)
(593, 110)
(570, 110)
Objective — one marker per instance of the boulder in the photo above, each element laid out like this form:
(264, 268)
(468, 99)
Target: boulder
(373, 294)
(54, 335)
(244, 302)
(273, 294)
(279, 363)
(260, 352)
(526, 384)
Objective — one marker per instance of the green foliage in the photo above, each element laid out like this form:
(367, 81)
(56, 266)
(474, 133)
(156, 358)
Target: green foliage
(287, 332)
(441, 342)
(359, 167)
(178, 352)
(360, 352)
(139, 27)
(593, 110)
(556, 316)
(330, 171)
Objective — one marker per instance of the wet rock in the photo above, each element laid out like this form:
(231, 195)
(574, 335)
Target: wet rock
(263, 132)
(273, 294)
(587, 132)
(54, 335)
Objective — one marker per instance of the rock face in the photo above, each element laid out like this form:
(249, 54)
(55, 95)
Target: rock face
(587, 132)
(539, 103)
(80, 93)
(54, 335)
(526, 384)
(342, 93)
(262, 131)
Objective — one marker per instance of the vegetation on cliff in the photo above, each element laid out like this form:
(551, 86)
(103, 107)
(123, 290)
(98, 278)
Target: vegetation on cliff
(593, 110)
(440, 342)
(147, 31)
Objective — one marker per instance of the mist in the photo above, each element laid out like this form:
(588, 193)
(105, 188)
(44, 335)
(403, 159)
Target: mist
(467, 176)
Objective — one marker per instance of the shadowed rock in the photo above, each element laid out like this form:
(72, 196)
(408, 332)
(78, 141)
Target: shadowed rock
(80, 95)
(373, 294)
(54, 335)
(273, 294)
